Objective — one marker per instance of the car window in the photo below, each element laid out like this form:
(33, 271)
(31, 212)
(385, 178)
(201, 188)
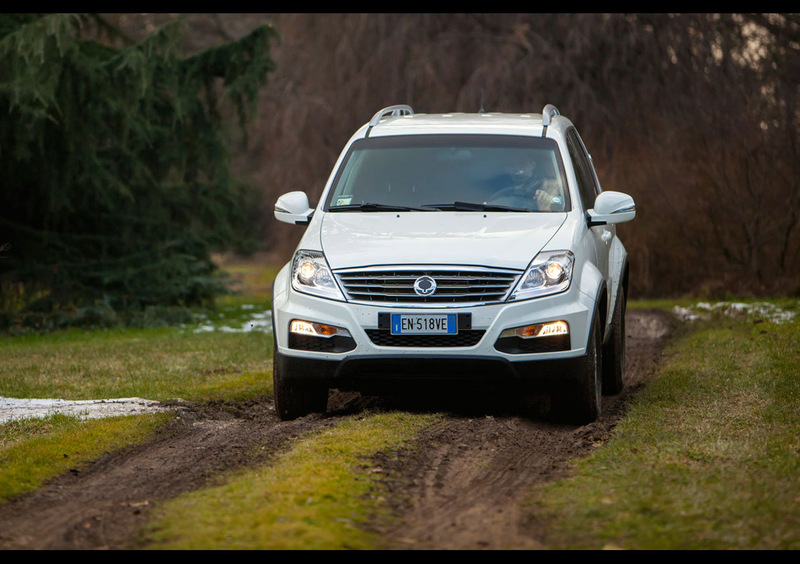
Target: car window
(439, 171)
(587, 187)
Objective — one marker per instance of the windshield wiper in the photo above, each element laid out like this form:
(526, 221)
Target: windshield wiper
(369, 207)
(469, 206)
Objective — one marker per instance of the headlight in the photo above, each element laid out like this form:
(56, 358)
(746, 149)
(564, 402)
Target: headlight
(549, 273)
(311, 274)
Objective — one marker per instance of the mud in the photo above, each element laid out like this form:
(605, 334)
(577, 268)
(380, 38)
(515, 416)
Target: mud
(457, 487)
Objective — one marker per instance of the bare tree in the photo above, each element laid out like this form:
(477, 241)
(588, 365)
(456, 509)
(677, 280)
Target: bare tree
(695, 115)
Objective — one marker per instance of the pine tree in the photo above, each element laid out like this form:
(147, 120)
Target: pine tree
(116, 184)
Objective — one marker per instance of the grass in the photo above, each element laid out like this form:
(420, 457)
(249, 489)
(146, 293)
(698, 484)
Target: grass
(189, 363)
(34, 450)
(158, 364)
(708, 456)
(317, 495)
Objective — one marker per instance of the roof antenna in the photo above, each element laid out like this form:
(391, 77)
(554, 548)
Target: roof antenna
(481, 110)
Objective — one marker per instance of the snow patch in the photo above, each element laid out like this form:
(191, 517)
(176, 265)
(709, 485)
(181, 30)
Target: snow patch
(703, 310)
(256, 322)
(13, 408)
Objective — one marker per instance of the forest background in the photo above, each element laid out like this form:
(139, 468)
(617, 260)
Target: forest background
(694, 115)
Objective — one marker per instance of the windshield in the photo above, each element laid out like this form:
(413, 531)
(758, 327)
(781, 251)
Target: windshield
(451, 172)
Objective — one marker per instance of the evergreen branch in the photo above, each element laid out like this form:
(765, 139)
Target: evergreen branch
(116, 160)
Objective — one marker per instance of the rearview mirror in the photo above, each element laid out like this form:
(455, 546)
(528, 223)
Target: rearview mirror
(293, 208)
(611, 207)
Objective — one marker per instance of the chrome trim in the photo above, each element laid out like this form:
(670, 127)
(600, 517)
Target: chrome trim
(457, 286)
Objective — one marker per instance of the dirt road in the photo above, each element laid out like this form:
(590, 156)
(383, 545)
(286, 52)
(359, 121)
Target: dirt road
(457, 489)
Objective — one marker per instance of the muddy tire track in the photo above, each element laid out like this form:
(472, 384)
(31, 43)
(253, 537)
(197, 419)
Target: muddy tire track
(461, 484)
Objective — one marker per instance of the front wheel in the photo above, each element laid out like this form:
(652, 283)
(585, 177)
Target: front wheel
(614, 351)
(580, 401)
(295, 397)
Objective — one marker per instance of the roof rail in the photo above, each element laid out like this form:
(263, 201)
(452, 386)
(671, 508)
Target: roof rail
(548, 112)
(398, 110)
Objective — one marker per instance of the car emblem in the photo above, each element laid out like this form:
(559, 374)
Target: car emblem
(424, 286)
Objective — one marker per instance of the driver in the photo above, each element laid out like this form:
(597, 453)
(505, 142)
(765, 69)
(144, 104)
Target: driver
(548, 195)
(528, 185)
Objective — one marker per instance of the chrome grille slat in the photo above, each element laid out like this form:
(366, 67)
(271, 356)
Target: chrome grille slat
(439, 285)
(454, 286)
(413, 295)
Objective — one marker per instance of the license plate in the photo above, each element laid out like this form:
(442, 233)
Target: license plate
(424, 324)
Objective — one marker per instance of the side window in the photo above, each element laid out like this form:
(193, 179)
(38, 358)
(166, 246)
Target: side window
(583, 169)
(589, 163)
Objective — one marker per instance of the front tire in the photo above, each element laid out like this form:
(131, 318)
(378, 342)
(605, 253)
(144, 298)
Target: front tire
(581, 400)
(614, 351)
(295, 397)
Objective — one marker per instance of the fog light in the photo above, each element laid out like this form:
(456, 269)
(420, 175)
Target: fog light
(301, 327)
(555, 328)
(538, 330)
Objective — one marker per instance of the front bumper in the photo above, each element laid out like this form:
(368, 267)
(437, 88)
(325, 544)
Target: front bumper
(371, 359)
(388, 374)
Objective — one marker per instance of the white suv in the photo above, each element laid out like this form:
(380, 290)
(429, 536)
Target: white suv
(458, 251)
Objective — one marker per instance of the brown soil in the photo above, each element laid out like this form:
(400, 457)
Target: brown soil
(457, 488)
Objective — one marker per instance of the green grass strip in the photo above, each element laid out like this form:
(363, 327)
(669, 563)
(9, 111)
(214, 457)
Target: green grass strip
(708, 457)
(33, 451)
(315, 496)
(157, 364)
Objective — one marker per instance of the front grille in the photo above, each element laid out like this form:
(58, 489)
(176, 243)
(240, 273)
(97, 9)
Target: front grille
(453, 286)
(384, 338)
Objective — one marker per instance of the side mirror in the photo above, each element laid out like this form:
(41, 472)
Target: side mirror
(293, 208)
(611, 207)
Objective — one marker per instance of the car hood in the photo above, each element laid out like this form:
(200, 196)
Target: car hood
(498, 239)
